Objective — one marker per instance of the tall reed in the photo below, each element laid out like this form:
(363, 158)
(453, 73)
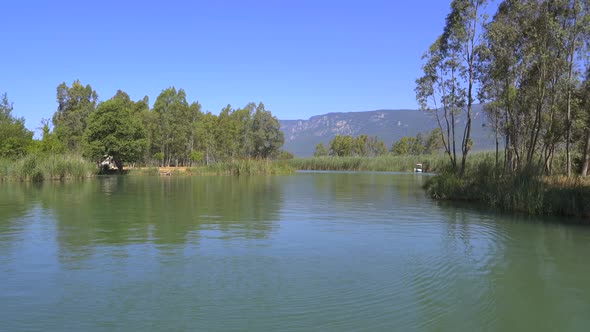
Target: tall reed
(388, 163)
(524, 191)
(235, 167)
(46, 167)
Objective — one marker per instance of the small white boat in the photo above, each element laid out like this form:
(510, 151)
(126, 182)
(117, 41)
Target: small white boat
(418, 168)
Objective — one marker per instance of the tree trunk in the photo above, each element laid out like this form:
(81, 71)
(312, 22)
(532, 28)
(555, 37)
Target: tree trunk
(586, 156)
(119, 164)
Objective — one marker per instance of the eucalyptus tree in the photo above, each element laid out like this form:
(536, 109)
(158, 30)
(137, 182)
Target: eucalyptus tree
(584, 94)
(450, 76)
(574, 26)
(530, 69)
(174, 125)
(503, 69)
(205, 132)
(266, 135)
(74, 105)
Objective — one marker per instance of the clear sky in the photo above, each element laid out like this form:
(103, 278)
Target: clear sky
(300, 57)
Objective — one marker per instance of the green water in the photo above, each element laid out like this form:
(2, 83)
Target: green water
(308, 252)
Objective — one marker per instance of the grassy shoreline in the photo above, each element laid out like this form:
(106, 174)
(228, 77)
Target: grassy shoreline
(431, 163)
(38, 168)
(236, 167)
(523, 192)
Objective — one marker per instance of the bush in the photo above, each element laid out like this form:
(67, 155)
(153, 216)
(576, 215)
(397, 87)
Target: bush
(41, 167)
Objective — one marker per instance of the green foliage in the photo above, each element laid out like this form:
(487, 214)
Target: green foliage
(433, 143)
(174, 126)
(196, 156)
(387, 163)
(267, 137)
(75, 104)
(346, 146)
(402, 147)
(15, 139)
(159, 156)
(233, 167)
(531, 73)
(46, 167)
(418, 145)
(285, 155)
(321, 150)
(342, 146)
(524, 191)
(49, 142)
(114, 131)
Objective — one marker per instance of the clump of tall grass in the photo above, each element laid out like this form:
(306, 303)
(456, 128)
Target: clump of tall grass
(524, 191)
(46, 167)
(244, 167)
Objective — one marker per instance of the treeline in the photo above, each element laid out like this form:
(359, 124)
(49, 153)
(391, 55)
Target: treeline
(418, 145)
(346, 146)
(365, 146)
(172, 132)
(530, 64)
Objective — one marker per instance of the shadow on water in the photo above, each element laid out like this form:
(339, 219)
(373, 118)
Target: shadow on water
(116, 210)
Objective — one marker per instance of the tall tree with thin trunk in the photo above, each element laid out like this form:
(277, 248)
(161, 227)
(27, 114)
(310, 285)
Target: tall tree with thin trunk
(450, 76)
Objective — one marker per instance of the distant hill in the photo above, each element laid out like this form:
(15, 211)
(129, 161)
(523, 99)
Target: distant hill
(301, 136)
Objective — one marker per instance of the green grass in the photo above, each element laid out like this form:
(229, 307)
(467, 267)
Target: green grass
(244, 167)
(524, 191)
(389, 163)
(46, 167)
(236, 167)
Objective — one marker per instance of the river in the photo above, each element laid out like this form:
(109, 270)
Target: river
(307, 252)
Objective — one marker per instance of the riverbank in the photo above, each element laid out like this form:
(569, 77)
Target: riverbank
(37, 168)
(431, 163)
(389, 163)
(236, 167)
(522, 192)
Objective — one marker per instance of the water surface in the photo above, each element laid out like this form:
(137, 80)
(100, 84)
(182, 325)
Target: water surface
(308, 252)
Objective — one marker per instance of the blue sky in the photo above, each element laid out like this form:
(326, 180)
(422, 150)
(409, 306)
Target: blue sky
(301, 58)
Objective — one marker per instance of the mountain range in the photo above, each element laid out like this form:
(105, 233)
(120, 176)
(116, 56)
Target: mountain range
(301, 136)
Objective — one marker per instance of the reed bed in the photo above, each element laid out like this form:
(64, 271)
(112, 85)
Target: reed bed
(38, 168)
(235, 167)
(524, 192)
(388, 163)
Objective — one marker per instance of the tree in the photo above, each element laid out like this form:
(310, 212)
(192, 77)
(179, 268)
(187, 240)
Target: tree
(205, 130)
(359, 147)
(15, 139)
(174, 125)
(342, 146)
(530, 70)
(376, 147)
(49, 142)
(433, 143)
(403, 146)
(114, 131)
(267, 137)
(75, 104)
(417, 145)
(450, 75)
(320, 150)
(584, 94)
